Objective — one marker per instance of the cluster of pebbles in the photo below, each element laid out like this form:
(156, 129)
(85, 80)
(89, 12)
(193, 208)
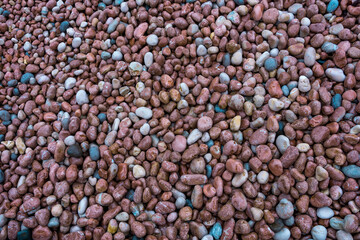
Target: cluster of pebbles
(180, 119)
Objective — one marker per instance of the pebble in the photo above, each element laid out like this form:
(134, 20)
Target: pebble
(201, 50)
(332, 6)
(94, 152)
(283, 234)
(135, 68)
(319, 232)
(335, 74)
(152, 40)
(70, 83)
(352, 171)
(194, 136)
(216, 231)
(304, 84)
(117, 56)
(310, 57)
(284, 209)
(325, 213)
(82, 97)
(144, 112)
(76, 42)
(270, 64)
(138, 171)
(237, 57)
(329, 47)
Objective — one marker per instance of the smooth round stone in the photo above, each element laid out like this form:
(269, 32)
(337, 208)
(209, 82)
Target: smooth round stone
(310, 57)
(25, 78)
(152, 40)
(76, 42)
(148, 59)
(64, 26)
(61, 47)
(237, 57)
(42, 79)
(305, 22)
(204, 123)
(124, 7)
(82, 97)
(319, 232)
(201, 50)
(336, 29)
(138, 171)
(70, 140)
(351, 171)
(117, 56)
(335, 74)
(27, 46)
(325, 213)
(122, 217)
(274, 52)
(304, 84)
(144, 112)
(295, 7)
(283, 234)
(332, 6)
(284, 209)
(270, 64)
(194, 136)
(262, 177)
(102, 117)
(70, 83)
(180, 202)
(145, 129)
(224, 78)
(179, 143)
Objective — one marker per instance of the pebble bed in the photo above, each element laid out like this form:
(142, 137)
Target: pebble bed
(181, 119)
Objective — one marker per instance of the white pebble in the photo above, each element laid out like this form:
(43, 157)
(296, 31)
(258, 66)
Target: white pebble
(82, 97)
(145, 129)
(138, 171)
(194, 136)
(262, 177)
(325, 213)
(76, 42)
(144, 112)
(70, 83)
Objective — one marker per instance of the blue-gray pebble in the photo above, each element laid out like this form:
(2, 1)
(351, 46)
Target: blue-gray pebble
(352, 171)
(270, 64)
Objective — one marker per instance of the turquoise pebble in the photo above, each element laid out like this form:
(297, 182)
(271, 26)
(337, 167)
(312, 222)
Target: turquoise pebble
(336, 100)
(96, 175)
(210, 143)
(102, 6)
(270, 64)
(247, 166)
(6, 13)
(24, 235)
(64, 26)
(54, 222)
(285, 90)
(130, 195)
(352, 171)
(2, 137)
(332, 6)
(216, 231)
(329, 47)
(281, 126)
(102, 117)
(2, 176)
(218, 109)
(16, 92)
(13, 156)
(337, 223)
(94, 152)
(118, 2)
(25, 78)
(189, 203)
(208, 171)
(239, 2)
